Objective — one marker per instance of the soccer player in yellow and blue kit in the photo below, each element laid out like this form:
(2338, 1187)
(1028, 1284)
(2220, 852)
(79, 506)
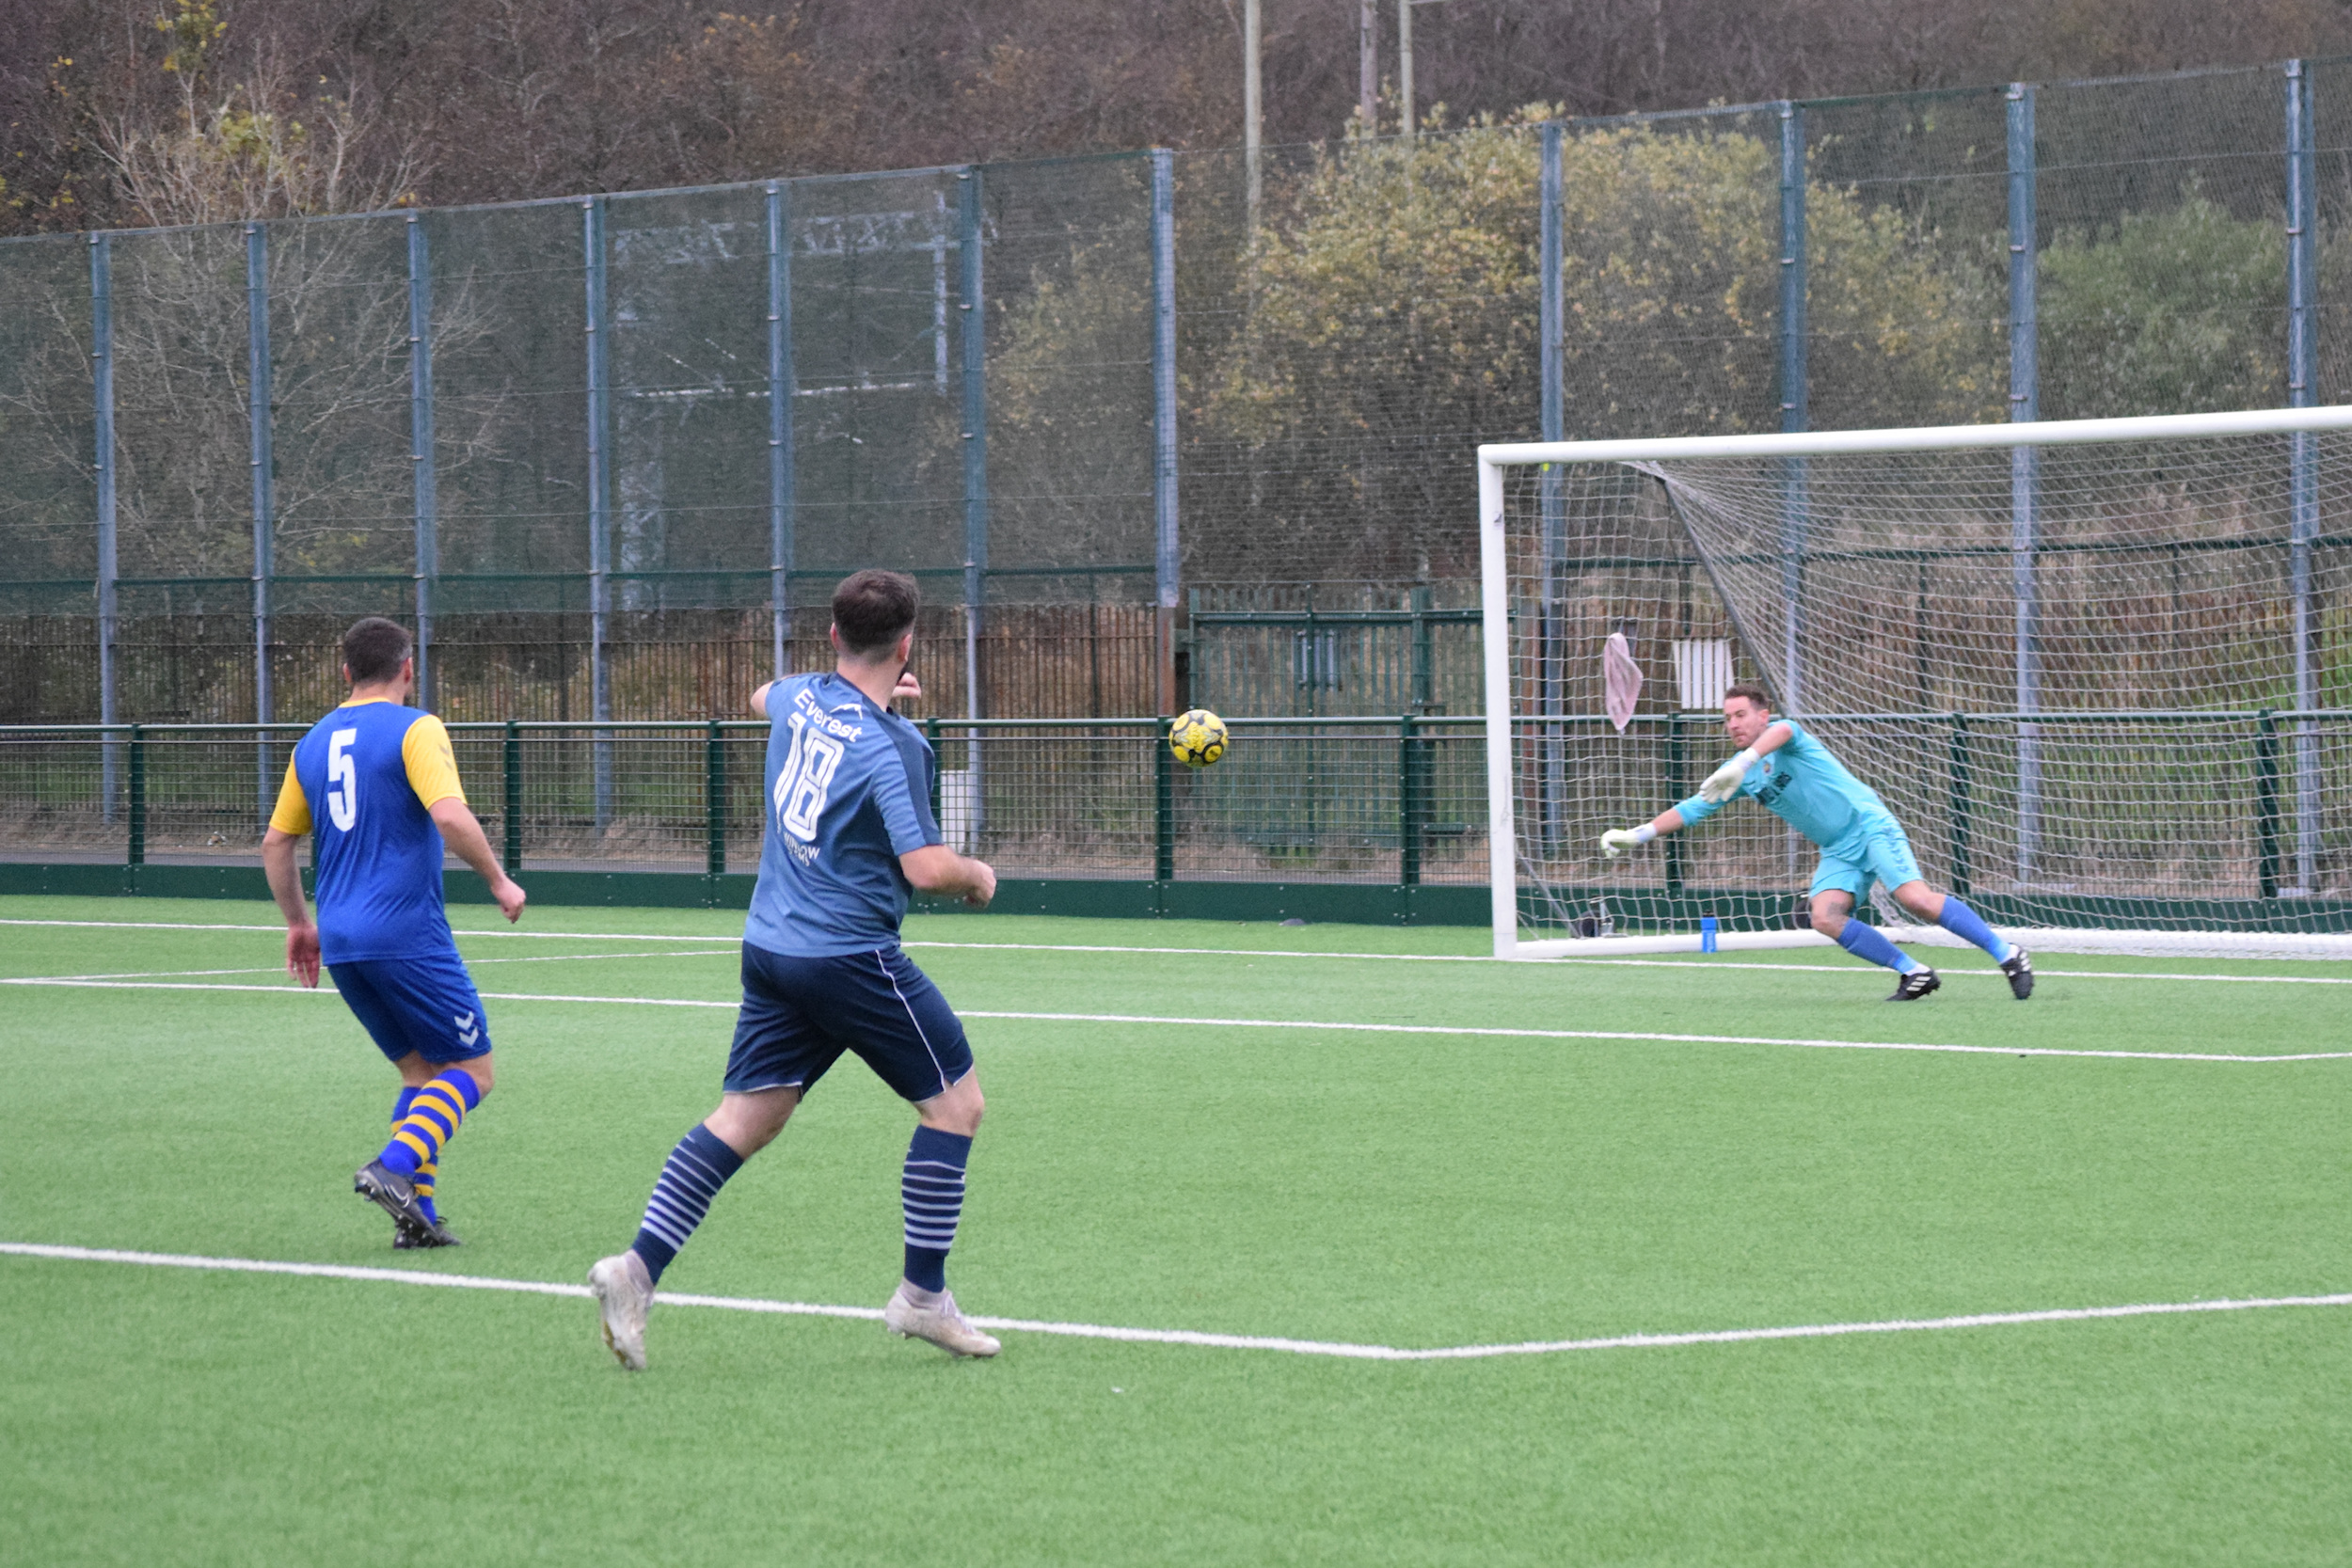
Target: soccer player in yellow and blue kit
(850, 833)
(376, 782)
(1794, 776)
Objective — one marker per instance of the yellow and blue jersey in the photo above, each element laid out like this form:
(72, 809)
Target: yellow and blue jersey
(364, 781)
(1806, 787)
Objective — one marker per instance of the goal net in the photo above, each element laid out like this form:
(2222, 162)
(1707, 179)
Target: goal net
(2100, 671)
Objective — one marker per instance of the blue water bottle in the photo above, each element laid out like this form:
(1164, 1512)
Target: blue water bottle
(1707, 933)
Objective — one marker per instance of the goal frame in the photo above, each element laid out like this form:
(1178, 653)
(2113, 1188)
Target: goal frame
(1494, 592)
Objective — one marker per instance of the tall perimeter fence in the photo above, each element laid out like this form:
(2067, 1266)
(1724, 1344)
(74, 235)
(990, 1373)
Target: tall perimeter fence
(1151, 430)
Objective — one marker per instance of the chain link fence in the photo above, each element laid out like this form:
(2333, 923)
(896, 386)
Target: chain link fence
(1152, 429)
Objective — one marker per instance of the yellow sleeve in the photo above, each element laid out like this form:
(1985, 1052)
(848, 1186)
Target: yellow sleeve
(293, 813)
(432, 766)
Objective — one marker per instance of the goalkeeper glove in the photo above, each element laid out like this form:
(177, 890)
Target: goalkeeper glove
(1616, 841)
(1723, 784)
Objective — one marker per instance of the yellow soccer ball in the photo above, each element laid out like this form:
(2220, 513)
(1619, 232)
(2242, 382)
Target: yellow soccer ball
(1198, 738)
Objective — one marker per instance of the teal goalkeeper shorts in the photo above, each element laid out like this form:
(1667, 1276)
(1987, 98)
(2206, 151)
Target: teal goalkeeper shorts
(1875, 851)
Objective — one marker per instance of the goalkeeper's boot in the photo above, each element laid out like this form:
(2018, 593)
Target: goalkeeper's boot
(1914, 984)
(439, 1235)
(390, 1192)
(941, 1322)
(624, 1293)
(2018, 966)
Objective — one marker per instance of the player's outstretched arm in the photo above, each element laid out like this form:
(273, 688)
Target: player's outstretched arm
(936, 868)
(1723, 784)
(463, 833)
(285, 885)
(1616, 841)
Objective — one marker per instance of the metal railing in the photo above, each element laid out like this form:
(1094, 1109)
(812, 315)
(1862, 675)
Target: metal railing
(2176, 804)
(1394, 801)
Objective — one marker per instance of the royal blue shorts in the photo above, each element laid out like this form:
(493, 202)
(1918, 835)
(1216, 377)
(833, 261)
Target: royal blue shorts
(426, 1004)
(800, 1014)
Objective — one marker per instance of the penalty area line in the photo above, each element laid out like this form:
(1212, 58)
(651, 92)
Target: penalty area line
(1825, 967)
(1342, 1349)
(1196, 1024)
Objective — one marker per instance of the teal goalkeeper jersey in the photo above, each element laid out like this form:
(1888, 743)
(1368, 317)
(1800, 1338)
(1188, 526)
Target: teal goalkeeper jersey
(1807, 788)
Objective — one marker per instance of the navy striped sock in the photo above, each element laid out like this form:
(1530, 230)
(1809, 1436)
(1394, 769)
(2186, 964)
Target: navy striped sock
(933, 1191)
(697, 1168)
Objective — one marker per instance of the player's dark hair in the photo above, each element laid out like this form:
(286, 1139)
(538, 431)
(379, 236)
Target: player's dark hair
(1753, 692)
(374, 648)
(874, 609)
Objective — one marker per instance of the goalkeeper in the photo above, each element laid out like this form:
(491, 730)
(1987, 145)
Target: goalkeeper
(1794, 776)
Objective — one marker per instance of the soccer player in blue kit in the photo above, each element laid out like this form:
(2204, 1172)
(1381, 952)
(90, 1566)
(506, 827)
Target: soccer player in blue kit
(849, 833)
(1794, 776)
(383, 779)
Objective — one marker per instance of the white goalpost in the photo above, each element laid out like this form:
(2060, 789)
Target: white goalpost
(2100, 670)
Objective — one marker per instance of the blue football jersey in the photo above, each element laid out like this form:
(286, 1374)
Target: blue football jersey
(1806, 787)
(848, 792)
(361, 783)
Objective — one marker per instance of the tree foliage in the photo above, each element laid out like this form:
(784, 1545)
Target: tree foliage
(1395, 309)
(500, 100)
(2171, 311)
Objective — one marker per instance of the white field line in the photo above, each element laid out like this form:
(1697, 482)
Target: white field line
(1195, 1023)
(1187, 1336)
(280, 968)
(1861, 971)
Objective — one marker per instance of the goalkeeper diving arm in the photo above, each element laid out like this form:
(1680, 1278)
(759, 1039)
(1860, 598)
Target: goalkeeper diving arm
(1723, 784)
(1616, 841)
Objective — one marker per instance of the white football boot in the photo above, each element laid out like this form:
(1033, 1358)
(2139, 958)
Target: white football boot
(624, 1293)
(941, 1322)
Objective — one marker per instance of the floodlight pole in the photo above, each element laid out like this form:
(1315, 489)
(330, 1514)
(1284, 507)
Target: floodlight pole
(1794, 413)
(599, 505)
(2303, 460)
(1551, 654)
(420, 447)
(974, 469)
(1252, 106)
(1167, 557)
(265, 494)
(1404, 66)
(1368, 65)
(102, 324)
(2024, 473)
(782, 499)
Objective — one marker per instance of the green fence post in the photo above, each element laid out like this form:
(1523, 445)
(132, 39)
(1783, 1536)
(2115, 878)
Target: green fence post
(1425, 657)
(1409, 802)
(513, 812)
(137, 852)
(2267, 801)
(930, 733)
(1676, 763)
(1163, 806)
(1960, 785)
(715, 799)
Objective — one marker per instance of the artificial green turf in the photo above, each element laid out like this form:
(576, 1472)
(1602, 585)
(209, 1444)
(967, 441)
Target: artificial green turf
(1411, 1189)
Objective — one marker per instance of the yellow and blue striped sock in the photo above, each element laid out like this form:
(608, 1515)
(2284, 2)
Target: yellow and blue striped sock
(433, 1117)
(422, 1182)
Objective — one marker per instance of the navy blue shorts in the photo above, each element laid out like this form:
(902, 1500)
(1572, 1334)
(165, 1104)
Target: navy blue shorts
(800, 1014)
(425, 1004)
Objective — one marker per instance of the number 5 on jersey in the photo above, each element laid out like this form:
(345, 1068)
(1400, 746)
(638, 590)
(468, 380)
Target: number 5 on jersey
(342, 780)
(803, 780)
